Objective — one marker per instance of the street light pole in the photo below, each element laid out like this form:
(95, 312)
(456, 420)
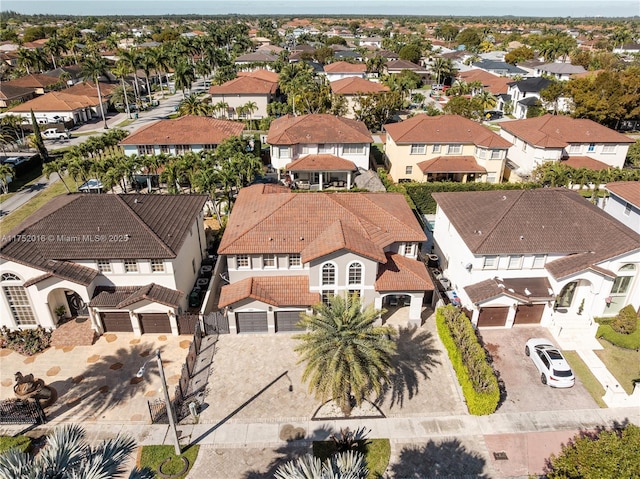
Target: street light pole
(167, 401)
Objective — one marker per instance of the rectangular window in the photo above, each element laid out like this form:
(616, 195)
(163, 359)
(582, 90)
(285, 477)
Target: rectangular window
(436, 148)
(269, 260)
(454, 149)
(130, 266)
(621, 284)
(305, 150)
(490, 262)
(515, 262)
(284, 152)
(326, 297)
(353, 149)
(325, 148)
(104, 266)
(157, 266)
(539, 260)
(491, 177)
(19, 305)
(408, 170)
(627, 209)
(210, 147)
(354, 293)
(408, 249)
(294, 260)
(165, 149)
(146, 150)
(608, 149)
(418, 149)
(182, 149)
(481, 152)
(496, 154)
(591, 148)
(242, 261)
(574, 149)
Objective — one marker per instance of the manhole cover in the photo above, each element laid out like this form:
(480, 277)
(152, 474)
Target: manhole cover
(500, 456)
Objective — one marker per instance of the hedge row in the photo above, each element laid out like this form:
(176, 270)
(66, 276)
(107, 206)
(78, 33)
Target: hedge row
(469, 359)
(626, 341)
(622, 330)
(420, 193)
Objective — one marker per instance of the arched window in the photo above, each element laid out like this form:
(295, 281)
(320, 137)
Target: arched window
(565, 298)
(18, 300)
(355, 274)
(620, 288)
(328, 274)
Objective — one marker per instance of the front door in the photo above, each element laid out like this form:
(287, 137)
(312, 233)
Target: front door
(77, 306)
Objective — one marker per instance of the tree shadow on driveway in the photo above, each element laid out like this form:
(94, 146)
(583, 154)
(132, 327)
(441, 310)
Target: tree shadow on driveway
(415, 357)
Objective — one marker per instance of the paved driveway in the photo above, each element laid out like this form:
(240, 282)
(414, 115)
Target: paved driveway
(524, 390)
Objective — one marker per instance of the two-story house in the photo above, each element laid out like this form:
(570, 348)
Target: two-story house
(353, 87)
(624, 203)
(444, 148)
(525, 93)
(287, 251)
(245, 90)
(127, 262)
(176, 137)
(559, 71)
(555, 137)
(544, 256)
(332, 140)
(339, 70)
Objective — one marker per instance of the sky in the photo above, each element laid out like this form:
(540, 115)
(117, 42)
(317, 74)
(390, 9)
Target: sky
(532, 8)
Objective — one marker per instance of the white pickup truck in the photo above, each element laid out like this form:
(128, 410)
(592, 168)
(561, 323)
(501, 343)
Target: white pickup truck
(54, 134)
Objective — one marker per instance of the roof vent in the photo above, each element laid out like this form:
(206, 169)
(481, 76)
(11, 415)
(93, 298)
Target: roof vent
(527, 292)
(504, 197)
(136, 201)
(521, 237)
(301, 238)
(270, 239)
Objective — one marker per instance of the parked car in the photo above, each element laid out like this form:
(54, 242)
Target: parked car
(553, 367)
(493, 115)
(54, 134)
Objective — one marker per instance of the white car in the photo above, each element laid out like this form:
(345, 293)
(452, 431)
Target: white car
(54, 134)
(554, 369)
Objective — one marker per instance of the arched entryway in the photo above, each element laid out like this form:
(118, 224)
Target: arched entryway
(66, 304)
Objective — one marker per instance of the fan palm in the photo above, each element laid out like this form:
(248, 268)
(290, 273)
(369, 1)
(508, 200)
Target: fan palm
(54, 47)
(66, 456)
(58, 166)
(346, 356)
(93, 68)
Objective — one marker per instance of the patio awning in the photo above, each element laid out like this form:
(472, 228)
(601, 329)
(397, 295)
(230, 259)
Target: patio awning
(400, 273)
(451, 164)
(321, 163)
(525, 290)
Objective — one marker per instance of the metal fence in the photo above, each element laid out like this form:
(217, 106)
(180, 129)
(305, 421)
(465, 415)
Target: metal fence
(216, 323)
(21, 411)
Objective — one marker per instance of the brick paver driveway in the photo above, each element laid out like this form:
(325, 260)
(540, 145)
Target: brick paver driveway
(525, 392)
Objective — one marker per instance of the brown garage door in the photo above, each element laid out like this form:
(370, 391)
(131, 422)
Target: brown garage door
(252, 322)
(154, 323)
(529, 314)
(287, 320)
(116, 322)
(496, 316)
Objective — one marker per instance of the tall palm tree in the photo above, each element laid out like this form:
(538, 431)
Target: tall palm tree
(487, 98)
(442, 68)
(58, 166)
(347, 357)
(26, 59)
(131, 59)
(184, 76)
(93, 68)
(121, 71)
(221, 108)
(250, 108)
(54, 47)
(161, 63)
(6, 172)
(66, 455)
(147, 63)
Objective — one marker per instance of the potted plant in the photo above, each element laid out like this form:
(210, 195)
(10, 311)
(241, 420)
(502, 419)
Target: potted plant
(581, 307)
(60, 312)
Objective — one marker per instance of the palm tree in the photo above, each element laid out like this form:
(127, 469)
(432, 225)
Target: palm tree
(184, 76)
(121, 71)
(346, 356)
(26, 59)
(487, 98)
(93, 68)
(222, 107)
(147, 64)
(57, 166)
(66, 455)
(442, 68)
(193, 105)
(348, 464)
(131, 59)
(161, 63)
(54, 47)
(6, 172)
(250, 108)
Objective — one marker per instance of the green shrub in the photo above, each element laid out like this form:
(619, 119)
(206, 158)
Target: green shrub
(469, 360)
(25, 341)
(626, 322)
(22, 443)
(626, 341)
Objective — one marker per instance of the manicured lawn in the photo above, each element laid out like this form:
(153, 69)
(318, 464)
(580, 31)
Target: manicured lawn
(14, 219)
(377, 453)
(589, 381)
(124, 123)
(152, 457)
(624, 364)
(21, 442)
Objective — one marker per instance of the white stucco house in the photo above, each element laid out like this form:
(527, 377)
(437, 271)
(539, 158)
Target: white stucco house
(544, 256)
(555, 137)
(127, 262)
(339, 70)
(287, 251)
(624, 203)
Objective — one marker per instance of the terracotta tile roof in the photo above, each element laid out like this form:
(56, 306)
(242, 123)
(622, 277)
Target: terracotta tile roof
(279, 221)
(402, 65)
(400, 273)
(38, 80)
(556, 131)
(522, 289)
(321, 163)
(444, 129)
(243, 86)
(317, 128)
(491, 82)
(274, 290)
(345, 67)
(89, 89)
(9, 92)
(256, 57)
(339, 236)
(261, 74)
(186, 130)
(121, 297)
(58, 101)
(629, 191)
(451, 164)
(355, 85)
(540, 221)
(79, 227)
(585, 162)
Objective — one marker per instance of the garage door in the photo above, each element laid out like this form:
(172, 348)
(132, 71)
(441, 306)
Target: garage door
(493, 316)
(529, 314)
(252, 322)
(154, 323)
(116, 322)
(287, 320)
